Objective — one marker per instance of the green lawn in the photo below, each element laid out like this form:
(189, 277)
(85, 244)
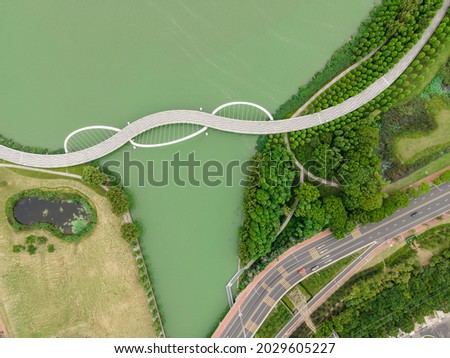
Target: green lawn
(316, 282)
(276, 320)
(436, 165)
(408, 148)
(86, 289)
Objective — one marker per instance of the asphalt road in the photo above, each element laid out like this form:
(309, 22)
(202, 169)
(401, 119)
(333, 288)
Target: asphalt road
(297, 318)
(319, 254)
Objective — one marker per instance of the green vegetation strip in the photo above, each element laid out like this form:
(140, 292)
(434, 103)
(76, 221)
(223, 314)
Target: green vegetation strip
(276, 320)
(345, 150)
(314, 283)
(392, 295)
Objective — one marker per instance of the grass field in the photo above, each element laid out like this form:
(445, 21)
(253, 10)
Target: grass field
(86, 289)
(314, 283)
(408, 148)
(436, 165)
(383, 255)
(276, 320)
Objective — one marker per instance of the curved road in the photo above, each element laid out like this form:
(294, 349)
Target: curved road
(255, 303)
(225, 124)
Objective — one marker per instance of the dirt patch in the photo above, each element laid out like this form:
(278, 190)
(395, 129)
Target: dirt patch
(3, 331)
(424, 256)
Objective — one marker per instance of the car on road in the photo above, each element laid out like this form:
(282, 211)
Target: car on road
(414, 214)
(301, 271)
(315, 268)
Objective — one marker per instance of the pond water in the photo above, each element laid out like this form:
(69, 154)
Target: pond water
(61, 214)
(69, 64)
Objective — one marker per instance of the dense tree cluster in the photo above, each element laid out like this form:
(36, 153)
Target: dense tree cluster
(403, 23)
(380, 305)
(268, 190)
(385, 21)
(346, 149)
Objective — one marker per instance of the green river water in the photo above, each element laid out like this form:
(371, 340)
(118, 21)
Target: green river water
(69, 64)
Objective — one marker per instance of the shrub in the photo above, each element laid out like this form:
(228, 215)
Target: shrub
(424, 188)
(412, 192)
(51, 248)
(31, 249)
(41, 240)
(30, 240)
(18, 248)
(445, 176)
(118, 199)
(130, 233)
(400, 199)
(92, 176)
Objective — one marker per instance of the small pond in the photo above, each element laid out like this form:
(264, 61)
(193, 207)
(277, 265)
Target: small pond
(69, 216)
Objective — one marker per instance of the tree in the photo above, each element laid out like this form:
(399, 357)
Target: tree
(445, 176)
(337, 216)
(325, 160)
(412, 192)
(118, 199)
(130, 233)
(92, 176)
(424, 188)
(51, 248)
(399, 198)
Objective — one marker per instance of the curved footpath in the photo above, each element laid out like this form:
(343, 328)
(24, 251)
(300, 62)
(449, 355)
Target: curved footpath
(255, 303)
(225, 124)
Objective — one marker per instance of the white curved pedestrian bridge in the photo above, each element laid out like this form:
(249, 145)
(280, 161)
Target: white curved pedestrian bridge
(222, 123)
(166, 134)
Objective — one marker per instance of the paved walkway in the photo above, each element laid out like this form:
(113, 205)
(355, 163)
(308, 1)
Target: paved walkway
(304, 171)
(54, 172)
(225, 124)
(333, 81)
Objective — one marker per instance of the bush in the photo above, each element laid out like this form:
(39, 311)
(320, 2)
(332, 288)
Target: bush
(18, 248)
(118, 199)
(51, 248)
(30, 240)
(424, 188)
(41, 240)
(412, 192)
(93, 176)
(31, 249)
(130, 233)
(445, 176)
